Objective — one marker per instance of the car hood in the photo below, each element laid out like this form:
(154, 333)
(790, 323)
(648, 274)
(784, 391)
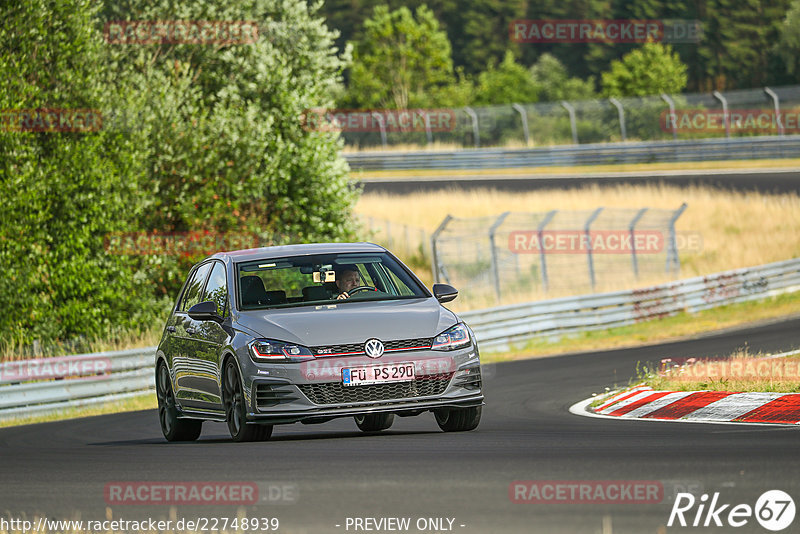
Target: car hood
(352, 322)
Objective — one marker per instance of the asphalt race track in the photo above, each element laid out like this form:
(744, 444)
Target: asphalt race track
(315, 477)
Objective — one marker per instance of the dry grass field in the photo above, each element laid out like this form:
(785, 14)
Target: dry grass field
(738, 229)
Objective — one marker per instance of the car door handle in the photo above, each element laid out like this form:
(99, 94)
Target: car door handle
(191, 330)
(171, 329)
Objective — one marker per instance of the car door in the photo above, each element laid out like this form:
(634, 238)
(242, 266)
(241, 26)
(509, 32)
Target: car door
(209, 338)
(184, 336)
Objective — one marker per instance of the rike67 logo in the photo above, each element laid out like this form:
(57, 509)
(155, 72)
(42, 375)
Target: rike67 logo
(774, 510)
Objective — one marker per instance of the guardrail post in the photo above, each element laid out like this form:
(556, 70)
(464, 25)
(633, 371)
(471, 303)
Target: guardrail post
(542, 257)
(476, 134)
(621, 114)
(632, 229)
(673, 118)
(434, 252)
(524, 116)
(573, 124)
(495, 268)
(586, 230)
(672, 250)
(381, 126)
(725, 114)
(777, 105)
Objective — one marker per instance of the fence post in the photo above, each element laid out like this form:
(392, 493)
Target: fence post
(542, 257)
(666, 98)
(382, 127)
(495, 268)
(725, 114)
(586, 230)
(428, 135)
(524, 115)
(632, 229)
(476, 134)
(776, 103)
(621, 113)
(571, 111)
(434, 253)
(672, 251)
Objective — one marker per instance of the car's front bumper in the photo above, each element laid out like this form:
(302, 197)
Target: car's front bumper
(451, 380)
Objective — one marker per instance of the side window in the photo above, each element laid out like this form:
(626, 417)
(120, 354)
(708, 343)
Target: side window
(194, 287)
(217, 288)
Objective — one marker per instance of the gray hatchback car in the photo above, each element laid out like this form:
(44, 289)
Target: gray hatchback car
(309, 333)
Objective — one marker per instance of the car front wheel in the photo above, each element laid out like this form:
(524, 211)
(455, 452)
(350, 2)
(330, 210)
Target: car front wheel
(174, 429)
(236, 409)
(374, 422)
(458, 419)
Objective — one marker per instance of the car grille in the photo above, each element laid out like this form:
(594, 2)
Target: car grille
(389, 346)
(336, 393)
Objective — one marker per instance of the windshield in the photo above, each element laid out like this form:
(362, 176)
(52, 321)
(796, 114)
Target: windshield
(323, 278)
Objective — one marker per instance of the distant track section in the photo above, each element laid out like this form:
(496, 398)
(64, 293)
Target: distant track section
(765, 180)
(763, 147)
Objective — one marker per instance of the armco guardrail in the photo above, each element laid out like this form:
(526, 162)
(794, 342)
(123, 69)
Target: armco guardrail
(34, 387)
(500, 327)
(590, 154)
(87, 379)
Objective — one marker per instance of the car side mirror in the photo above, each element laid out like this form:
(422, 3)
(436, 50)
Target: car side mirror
(444, 292)
(205, 311)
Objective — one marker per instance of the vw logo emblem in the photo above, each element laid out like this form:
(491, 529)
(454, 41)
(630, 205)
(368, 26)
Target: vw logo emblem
(373, 348)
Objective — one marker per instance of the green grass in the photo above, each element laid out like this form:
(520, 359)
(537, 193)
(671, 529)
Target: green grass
(681, 325)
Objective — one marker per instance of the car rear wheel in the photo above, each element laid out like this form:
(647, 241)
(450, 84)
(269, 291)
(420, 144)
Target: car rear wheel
(458, 419)
(236, 409)
(374, 422)
(174, 429)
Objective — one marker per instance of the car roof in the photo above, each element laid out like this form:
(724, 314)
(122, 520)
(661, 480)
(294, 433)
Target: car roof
(295, 250)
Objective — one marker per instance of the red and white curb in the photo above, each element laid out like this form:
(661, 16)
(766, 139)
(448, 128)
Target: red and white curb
(644, 403)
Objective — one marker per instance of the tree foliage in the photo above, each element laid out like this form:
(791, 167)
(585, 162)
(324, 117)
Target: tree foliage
(196, 137)
(400, 60)
(650, 70)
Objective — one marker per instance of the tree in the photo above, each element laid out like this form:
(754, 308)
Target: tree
(400, 60)
(505, 84)
(788, 46)
(551, 77)
(652, 69)
(197, 137)
(63, 188)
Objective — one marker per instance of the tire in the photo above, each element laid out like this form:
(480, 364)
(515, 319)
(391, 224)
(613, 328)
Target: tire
(374, 422)
(174, 429)
(458, 419)
(236, 409)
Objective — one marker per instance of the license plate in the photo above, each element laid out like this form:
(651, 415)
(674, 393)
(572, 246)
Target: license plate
(378, 374)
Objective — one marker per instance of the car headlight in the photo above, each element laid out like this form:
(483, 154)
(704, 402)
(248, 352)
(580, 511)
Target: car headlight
(269, 350)
(453, 338)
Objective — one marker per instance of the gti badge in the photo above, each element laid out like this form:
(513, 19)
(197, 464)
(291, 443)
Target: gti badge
(374, 348)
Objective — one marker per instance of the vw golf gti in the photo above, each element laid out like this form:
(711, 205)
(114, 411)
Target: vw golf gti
(309, 333)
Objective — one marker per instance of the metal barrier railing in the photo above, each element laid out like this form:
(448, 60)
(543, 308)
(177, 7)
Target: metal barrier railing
(44, 385)
(764, 147)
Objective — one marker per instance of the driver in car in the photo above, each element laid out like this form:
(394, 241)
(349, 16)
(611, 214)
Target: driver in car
(347, 279)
